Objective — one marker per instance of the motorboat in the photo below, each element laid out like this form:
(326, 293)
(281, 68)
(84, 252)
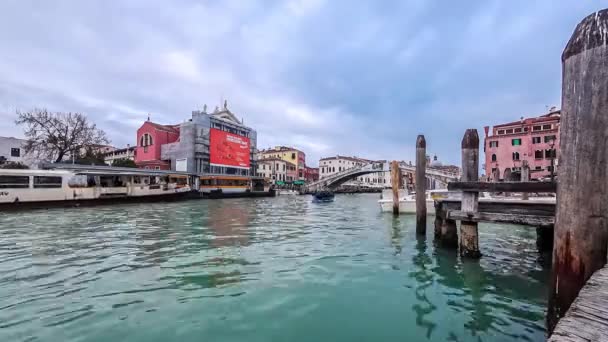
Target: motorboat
(323, 196)
(286, 192)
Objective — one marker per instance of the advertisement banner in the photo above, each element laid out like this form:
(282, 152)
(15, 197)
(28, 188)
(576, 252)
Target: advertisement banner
(227, 149)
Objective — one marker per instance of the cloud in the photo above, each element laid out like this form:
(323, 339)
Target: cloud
(330, 77)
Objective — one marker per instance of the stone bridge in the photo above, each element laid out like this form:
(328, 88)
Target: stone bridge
(435, 178)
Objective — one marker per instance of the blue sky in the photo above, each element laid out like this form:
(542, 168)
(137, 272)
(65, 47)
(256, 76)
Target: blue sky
(330, 77)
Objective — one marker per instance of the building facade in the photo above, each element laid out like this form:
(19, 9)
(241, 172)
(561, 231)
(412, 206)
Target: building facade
(311, 174)
(209, 143)
(12, 151)
(288, 154)
(120, 153)
(277, 170)
(532, 140)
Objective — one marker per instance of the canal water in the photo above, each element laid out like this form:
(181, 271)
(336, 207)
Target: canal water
(268, 269)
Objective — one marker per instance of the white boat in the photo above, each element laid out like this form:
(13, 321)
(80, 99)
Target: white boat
(286, 192)
(74, 187)
(407, 202)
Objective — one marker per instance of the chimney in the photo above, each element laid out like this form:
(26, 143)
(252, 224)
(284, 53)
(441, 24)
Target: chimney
(486, 129)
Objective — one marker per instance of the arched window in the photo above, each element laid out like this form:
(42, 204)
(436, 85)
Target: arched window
(515, 155)
(145, 140)
(493, 157)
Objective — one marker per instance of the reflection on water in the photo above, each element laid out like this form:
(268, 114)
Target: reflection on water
(258, 270)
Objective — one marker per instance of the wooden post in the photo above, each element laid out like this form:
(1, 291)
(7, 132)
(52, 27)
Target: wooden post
(395, 180)
(420, 185)
(469, 240)
(581, 226)
(525, 176)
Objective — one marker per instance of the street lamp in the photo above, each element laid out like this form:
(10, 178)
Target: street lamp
(552, 151)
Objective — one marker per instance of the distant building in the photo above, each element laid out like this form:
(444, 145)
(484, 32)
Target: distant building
(288, 154)
(120, 153)
(277, 170)
(311, 174)
(208, 143)
(535, 140)
(12, 150)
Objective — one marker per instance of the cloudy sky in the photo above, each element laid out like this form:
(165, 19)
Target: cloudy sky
(350, 77)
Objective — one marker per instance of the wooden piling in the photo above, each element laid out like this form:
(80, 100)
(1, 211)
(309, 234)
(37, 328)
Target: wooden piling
(469, 240)
(581, 227)
(525, 176)
(421, 185)
(395, 180)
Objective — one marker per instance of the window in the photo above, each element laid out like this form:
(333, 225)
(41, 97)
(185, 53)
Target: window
(549, 153)
(293, 156)
(538, 154)
(550, 168)
(536, 128)
(501, 131)
(538, 168)
(549, 138)
(14, 182)
(333, 169)
(145, 140)
(509, 131)
(157, 168)
(515, 142)
(15, 152)
(546, 127)
(493, 143)
(515, 155)
(536, 140)
(518, 130)
(493, 170)
(283, 167)
(46, 182)
(493, 157)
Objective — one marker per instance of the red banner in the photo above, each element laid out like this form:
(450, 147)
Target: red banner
(227, 149)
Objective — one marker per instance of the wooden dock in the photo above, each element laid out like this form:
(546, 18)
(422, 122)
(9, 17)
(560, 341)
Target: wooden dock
(587, 318)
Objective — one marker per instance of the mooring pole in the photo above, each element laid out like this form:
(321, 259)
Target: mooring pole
(420, 185)
(395, 180)
(525, 176)
(469, 239)
(581, 226)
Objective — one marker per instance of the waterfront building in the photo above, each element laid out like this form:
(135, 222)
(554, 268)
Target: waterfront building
(534, 140)
(12, 150)
(277, 170)
(208, 143)
(120, 153)
(288, 154)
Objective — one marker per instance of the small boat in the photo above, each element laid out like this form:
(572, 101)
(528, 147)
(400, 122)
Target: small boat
(323, 196)
(286, 192)
(407, 202)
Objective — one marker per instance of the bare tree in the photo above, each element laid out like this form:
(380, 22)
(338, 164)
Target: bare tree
(52, 136)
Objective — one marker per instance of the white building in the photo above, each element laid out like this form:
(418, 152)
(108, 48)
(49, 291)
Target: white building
(332, 165)
(12, 150)
(120, 153)
(277, 169)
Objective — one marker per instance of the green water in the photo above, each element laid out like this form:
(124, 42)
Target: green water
(276, 269)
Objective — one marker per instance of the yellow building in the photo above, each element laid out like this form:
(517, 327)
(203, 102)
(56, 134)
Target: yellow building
(288, 154)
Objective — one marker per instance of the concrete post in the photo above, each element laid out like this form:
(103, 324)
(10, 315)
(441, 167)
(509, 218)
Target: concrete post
(420, 185)
(469, 239)
(581, 227)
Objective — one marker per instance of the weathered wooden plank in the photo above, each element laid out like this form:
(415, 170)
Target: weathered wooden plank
(395, 180)
(507, 207)
(503, 186)
(469, 239)
(587, 318)
(581, 223)
(420, 185)
(528, 220)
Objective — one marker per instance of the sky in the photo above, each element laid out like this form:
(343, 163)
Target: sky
(359, 77)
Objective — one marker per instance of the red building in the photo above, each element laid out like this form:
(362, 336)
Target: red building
(535, 140)
(312, 174)
(150, 137)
